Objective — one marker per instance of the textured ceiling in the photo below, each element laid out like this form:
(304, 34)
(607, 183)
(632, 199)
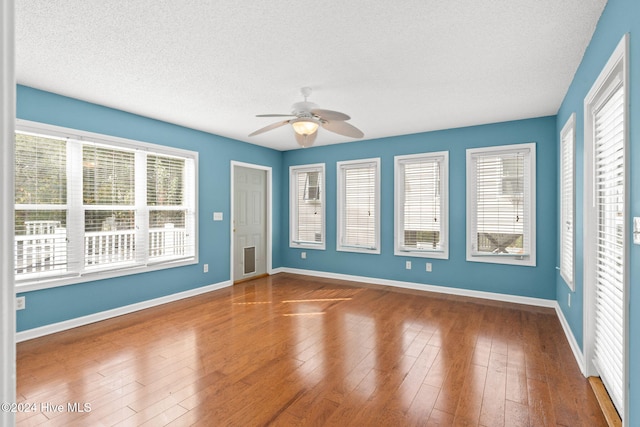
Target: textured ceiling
(396, 67)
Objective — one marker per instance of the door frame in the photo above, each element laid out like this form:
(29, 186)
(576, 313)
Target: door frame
(268, 213)
(621, 53)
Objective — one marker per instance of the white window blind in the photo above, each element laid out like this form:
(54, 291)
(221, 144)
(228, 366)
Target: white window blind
(307, 216)
(40, 240)
(107, 208)
(421, 205)
(170, 215)
(500, 204)
(358, 206)
(609, 175)
(567, 141)
(108, 195)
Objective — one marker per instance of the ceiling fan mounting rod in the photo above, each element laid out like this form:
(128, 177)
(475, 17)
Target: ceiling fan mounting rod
(306, 92)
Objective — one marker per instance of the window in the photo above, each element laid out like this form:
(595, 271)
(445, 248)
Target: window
(168, 200)
(307, 217)
(108, 201)
(567, 142)
(501, 204)
(359, 206)
(88, 204)
(421, 191)
(40, 204)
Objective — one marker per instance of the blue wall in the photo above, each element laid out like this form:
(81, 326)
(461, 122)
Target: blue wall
(215, 154)
(455, 272)
(619, 17)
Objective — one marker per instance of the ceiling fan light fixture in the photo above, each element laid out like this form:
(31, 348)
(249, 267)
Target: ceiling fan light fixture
(306, 141)
(304, 126)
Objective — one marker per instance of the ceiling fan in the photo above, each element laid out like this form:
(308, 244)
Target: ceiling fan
(307, 117)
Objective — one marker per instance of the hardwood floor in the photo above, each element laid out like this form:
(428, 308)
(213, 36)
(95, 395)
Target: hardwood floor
(294, 350)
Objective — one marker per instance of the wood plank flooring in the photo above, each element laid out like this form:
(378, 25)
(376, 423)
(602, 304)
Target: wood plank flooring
(291, 350)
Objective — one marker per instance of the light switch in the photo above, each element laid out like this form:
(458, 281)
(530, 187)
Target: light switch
(217, 216)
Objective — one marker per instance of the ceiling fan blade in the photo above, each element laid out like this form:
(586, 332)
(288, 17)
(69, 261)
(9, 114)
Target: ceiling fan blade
(343, 128)
(329, 114)
(275, 115)
(306, 141)
(267, 128)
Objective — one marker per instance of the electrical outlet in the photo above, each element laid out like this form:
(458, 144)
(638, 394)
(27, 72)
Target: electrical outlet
(429, 267)
(206, 268)
(407, 265)
(21, 303)
(569, 300)
(303, 255)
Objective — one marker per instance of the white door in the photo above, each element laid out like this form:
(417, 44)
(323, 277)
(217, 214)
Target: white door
(249, 222)
(605, 267)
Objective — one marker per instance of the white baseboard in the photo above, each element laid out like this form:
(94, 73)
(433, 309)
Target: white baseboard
(575, 348)
(539, 302)
(103, 315)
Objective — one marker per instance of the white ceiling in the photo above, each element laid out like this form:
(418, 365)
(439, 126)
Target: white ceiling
(396, 67)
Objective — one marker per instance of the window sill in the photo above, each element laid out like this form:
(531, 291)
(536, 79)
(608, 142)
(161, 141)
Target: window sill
(91, 276)
(523, 260)
(358, 250)
(422, 254)
(302, 245)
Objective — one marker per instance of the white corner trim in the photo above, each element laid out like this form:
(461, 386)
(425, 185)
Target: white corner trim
(108, 314)
(539, 302)
(7, 293)
(575, 348)
(279, 270)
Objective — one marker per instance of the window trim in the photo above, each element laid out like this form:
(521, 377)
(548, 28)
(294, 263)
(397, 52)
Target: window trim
(340, 167)
(568, 129)
(514, 259)
(293, 205)
(89, 275)
(399, 193)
